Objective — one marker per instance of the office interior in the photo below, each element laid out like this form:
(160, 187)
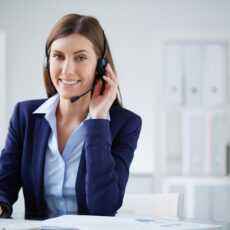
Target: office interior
(165, 54)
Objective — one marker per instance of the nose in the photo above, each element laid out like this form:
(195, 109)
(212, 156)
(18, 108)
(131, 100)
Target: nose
(68, 67)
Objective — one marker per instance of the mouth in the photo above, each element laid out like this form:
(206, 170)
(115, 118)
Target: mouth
(69, 83)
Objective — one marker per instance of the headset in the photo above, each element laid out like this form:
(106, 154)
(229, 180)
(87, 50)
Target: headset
(100, 71)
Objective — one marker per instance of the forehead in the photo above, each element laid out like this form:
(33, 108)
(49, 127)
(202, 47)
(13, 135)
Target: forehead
(73, 43)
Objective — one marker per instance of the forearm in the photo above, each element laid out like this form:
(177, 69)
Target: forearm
(109, 147)
(103, 193)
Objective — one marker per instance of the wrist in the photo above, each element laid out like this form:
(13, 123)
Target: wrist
(1, 210)
(6, 210)
(99, 116)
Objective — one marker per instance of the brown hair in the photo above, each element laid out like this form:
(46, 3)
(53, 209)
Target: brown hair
(84, 25)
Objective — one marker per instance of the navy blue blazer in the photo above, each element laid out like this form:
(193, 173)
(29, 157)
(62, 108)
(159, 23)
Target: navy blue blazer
(104, 166)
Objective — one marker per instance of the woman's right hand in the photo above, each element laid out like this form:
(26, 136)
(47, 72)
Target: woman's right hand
(0, 210)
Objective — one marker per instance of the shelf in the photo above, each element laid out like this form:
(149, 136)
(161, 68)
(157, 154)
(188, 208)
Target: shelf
(191, 108)
(197, 179)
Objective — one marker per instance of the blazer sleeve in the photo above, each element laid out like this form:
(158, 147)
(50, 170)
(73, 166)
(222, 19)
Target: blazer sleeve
(108, 162)
(10, 163)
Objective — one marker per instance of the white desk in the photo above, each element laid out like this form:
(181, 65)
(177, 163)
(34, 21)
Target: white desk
(110, 223)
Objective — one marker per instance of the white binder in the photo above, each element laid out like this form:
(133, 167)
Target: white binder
(214, 72)
(193, 60)
(173, 73)
(174, 142)
(196, 157)
(218, 143)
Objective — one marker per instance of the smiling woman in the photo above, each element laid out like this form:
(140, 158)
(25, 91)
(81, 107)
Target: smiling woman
(71, 157)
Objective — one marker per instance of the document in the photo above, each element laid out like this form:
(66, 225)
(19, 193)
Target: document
(81, 222)
(15, 224)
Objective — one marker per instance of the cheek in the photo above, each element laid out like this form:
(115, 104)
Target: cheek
(89, 72)
(55, 72)
(54, 68)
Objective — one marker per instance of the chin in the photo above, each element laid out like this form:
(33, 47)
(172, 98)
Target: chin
(66, 96)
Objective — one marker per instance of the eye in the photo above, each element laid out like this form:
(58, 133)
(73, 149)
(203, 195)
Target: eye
(81, 58)
(58, 56)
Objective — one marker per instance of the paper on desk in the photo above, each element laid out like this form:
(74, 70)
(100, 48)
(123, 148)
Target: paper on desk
(14, 224)
(163, 224)
(80, 222)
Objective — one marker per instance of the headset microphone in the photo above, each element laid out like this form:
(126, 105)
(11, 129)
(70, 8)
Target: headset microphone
(97, 78)
(73, 99)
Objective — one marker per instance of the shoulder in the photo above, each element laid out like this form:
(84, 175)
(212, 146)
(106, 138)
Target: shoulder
(27, 107)
(122, 116)
(118, 111)
(23, 114)
(31, 104)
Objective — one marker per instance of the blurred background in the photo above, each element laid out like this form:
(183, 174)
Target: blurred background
(172, 61)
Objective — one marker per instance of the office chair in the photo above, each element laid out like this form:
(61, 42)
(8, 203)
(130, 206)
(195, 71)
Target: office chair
(152, 205)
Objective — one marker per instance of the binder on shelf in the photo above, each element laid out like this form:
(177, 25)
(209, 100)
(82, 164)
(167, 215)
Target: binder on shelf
(228, 160)
(205, 144)
(214, 73)
(192, 62)
(174, 142)
(173, 73)
(218, 142)
(196, 155)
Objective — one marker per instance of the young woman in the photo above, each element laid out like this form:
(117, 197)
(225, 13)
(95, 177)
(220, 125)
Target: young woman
(71, 157)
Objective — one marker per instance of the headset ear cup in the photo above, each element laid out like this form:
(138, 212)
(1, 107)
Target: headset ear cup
(101, 64)
(98, 68)
(46, 63)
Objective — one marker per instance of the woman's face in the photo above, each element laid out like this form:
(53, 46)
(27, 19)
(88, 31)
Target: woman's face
(72, 65)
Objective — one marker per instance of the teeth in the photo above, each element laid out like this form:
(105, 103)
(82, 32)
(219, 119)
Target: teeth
(69, 82)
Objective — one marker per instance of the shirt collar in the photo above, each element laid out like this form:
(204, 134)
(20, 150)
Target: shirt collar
(49, 107)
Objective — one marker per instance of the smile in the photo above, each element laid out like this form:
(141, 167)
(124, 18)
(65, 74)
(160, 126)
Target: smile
(69, 82)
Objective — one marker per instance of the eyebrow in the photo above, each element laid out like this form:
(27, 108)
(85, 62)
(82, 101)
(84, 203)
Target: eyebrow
(76, 52)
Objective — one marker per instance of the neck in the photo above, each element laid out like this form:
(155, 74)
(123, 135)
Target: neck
(73, 112)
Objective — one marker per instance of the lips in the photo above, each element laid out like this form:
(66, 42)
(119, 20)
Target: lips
(69, 83)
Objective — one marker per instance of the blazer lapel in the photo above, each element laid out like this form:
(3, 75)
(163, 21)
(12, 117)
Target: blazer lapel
(80, 185)
(41, 136)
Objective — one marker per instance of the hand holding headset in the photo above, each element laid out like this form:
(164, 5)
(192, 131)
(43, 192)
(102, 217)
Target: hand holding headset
(100, 70)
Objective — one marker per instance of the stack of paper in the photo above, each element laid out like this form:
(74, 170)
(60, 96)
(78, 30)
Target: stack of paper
(78, 222)
(12, 224)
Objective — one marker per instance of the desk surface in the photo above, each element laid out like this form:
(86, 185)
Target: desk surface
(224, 225)
(13, 224)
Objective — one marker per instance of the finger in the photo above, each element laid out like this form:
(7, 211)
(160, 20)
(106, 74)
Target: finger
(111, 73)
(97, 89)
(110, 86)
(109, 81)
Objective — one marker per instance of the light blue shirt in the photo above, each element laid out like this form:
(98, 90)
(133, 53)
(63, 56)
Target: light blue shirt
(60, 171)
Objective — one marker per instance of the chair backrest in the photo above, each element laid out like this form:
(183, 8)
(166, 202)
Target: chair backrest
(154, 205)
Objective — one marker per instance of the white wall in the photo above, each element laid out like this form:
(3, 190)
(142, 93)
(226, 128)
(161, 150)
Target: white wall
(130, 27)
(3, 112)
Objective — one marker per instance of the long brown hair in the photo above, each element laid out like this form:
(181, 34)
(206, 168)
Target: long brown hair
(87, 26)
